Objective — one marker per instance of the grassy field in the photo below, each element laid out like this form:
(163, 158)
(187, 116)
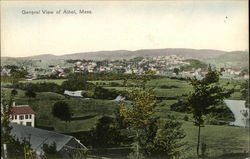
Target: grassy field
(220, 140)
(57, 81)
(86, 112)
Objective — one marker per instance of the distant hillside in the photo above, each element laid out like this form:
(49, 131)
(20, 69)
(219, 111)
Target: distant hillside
(125, 54)
(235, 59)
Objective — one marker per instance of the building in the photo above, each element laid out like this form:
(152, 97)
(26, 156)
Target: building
(65, 144)
(74, 93)
(240, 111)
(23, 115)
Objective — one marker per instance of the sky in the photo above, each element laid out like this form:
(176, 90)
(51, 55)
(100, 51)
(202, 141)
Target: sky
(127, 25)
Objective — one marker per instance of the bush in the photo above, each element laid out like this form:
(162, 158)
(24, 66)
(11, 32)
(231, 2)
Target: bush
(102, 93)
(180, 106)
(168, 87)
(115, 84)
(31, 94)
(185, 118)
(49, 149)
(39, 87)
(77, 84)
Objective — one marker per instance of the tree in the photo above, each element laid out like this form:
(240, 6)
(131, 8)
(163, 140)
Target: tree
(30, 93)
(77, 82)
(245, 92)
(28, 152)
(6, 106)
(14, 92)
(17, 75)
(13, 146)
(137, 114)
(106, 132)
(50, 151)
(79, 153)
(102, 93)
(206, 94)
(167, 140)
(176, 71)
(62, 111)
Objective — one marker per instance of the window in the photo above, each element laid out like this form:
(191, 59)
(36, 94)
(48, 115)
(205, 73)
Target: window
(21, 117)
(15, 117)
(30, 116)
(28, 123)
(26, 116)
(11, 117)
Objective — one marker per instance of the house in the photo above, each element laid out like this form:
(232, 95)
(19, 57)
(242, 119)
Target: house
(74, 93)
(23, 115)
(240, 111)
(246, 76)
(65, 144)
(119, 98)
(62, 74)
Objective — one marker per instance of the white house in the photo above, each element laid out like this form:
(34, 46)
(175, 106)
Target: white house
(23, 115)
(74, 93)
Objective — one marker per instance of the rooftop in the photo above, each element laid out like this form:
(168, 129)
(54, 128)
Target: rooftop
(38, 137)
(22, 109)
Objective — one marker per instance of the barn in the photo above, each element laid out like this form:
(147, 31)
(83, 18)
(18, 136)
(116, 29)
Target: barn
(37, 137)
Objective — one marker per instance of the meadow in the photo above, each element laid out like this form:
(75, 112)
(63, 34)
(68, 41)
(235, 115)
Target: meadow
(220, 139)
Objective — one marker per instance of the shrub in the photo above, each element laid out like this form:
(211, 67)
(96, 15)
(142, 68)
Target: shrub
(185, 118)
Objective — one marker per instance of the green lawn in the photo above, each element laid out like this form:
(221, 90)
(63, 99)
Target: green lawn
(85, 111)
(57, 81)
(219, 139)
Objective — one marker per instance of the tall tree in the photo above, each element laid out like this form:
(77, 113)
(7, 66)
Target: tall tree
(137, 114)
(205, 95)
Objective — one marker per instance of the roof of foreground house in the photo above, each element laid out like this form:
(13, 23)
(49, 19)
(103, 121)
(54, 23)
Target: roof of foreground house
(38, 137)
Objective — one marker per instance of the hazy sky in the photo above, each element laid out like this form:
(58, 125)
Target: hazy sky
(122, 25)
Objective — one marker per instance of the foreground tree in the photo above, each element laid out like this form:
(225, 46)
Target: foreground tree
(106, 133)
(10, 146)
(206, 94)
(6, 105)
(137, 114)
(167, 140)
(50, 151)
